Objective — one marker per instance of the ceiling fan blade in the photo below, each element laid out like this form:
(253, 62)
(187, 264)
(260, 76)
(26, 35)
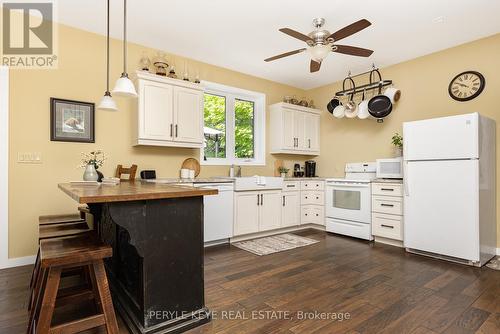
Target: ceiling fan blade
(315, 65)
(286, 54)
(350, 29)
(296, 34)
(352, 50)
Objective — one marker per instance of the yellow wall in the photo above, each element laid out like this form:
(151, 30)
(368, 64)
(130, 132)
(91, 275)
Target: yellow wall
(424, 86)
(81, 74)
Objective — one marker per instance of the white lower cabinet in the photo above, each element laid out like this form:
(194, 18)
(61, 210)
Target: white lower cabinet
(290, 213)
(387, 213)
(256, 211)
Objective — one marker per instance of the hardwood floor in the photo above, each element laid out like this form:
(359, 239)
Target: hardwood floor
(381, 288)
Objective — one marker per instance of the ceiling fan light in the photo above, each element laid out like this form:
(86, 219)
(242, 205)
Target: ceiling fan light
(107, 103)
(124, 87)
(320, 51)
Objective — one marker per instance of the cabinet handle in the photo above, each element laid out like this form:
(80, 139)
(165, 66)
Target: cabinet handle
(283, 200)
(176, 130)
(386, 189)
(306, 197)
(388, 226)
(317, 215)
(171, 130)
(258, 200)
(261, 199)
(317, 197)
(309, 143)
(290, 185)
(306, 214)
(389, 205)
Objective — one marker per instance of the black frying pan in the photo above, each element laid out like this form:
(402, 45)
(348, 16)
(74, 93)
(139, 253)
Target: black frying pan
(380, 105)
(335, 102)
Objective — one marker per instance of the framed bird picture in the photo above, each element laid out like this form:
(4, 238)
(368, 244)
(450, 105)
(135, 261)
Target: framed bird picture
(72, 121)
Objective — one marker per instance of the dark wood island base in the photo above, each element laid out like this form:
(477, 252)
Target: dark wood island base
(156, 273)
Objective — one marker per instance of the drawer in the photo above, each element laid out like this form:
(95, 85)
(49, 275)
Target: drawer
(312, 214)
(312, 185)
(387, 189)
(291, 186)
(312, 197)
(387, 226)
(387, 204)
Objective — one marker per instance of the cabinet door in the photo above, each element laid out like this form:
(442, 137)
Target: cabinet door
(155, 111)
(289, 135)
(290, 209)
(270, 210)
(312, 132)
(246, 212)
(188, 105)
(300, 130)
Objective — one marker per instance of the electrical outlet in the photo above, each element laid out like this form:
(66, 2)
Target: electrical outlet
(29, 157)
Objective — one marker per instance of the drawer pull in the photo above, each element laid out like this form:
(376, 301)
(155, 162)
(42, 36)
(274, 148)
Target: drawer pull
(306, 197)
(388, 226)
(387, 189)
(389, 205)
(306, 214)
(290, 185)
(317, 215)
(317, 197)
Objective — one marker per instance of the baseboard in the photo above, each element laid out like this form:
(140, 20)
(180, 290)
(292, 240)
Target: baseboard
(277, 231)
(18, 261)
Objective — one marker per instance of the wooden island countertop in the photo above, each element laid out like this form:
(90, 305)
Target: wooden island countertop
(130, 191)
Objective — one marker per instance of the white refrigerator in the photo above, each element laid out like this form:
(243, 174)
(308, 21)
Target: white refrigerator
(450, 188)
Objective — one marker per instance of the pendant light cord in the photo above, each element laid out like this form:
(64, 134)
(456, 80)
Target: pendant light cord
(107, 53)
(124, 37)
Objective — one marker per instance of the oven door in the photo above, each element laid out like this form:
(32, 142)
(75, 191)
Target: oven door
(348, 201)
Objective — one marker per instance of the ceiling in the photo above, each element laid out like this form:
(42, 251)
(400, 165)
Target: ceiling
(239, 35)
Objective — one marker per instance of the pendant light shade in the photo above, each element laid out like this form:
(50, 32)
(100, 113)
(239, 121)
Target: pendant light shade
(124, 86)
(107, 102)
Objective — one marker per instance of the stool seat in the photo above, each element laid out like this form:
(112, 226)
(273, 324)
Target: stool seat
(62, 230)
(58, 219)
(72, 251)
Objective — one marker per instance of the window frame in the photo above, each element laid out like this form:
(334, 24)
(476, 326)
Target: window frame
(231, 94)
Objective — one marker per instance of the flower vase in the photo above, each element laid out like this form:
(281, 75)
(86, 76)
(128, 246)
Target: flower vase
(90, 173)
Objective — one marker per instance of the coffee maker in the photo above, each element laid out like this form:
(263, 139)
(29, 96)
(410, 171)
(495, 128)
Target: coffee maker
(297, 172)
(310, 168)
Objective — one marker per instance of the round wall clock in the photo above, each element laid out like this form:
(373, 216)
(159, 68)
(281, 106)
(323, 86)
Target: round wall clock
(466, 86)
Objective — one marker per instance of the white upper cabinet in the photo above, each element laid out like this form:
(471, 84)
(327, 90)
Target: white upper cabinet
(170, 112)
(294, 129)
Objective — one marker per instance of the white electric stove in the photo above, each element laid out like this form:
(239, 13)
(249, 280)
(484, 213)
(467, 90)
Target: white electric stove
(348, 201)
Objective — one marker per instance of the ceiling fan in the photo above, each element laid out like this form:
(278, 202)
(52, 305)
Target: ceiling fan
(321, 42)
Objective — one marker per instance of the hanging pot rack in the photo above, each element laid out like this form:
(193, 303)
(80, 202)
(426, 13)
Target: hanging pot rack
(363, 88)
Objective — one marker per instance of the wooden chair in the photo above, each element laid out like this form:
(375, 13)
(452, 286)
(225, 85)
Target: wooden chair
(130, 171)
(61, 254)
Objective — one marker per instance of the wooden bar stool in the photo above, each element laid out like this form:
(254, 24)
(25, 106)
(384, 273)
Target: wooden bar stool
(130, 171)
(61, 254)
(56, 227)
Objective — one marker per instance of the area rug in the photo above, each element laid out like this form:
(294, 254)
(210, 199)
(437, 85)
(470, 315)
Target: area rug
(274, 244)
(494, 263)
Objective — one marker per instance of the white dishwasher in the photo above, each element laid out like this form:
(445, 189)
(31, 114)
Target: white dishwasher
(218, 212)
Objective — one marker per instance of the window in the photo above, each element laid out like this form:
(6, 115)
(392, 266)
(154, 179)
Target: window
(233, 126)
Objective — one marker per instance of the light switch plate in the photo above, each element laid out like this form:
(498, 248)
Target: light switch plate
(29, 157)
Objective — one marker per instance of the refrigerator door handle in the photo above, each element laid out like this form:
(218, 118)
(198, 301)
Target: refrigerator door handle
(405, 179)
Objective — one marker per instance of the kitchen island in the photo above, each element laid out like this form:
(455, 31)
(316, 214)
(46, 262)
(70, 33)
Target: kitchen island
(156, 231)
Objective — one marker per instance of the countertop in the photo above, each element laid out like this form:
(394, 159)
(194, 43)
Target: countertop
(171, 180)
(305, 178)
(130, 191)
(399, 181)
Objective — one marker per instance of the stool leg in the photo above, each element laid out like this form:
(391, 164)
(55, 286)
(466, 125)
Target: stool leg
(105, 297)
(36, 300)
(48, 301)
(34, 277)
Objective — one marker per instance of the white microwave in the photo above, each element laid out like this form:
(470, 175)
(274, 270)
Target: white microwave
(391, 168)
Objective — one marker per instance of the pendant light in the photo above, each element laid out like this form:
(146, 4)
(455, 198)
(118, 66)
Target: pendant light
(124, 86)
(107, 102)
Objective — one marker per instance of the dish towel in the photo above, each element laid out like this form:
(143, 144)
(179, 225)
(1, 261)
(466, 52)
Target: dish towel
(260, 180)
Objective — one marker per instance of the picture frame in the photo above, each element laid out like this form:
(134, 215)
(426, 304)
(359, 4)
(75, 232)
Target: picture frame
(72, 121)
